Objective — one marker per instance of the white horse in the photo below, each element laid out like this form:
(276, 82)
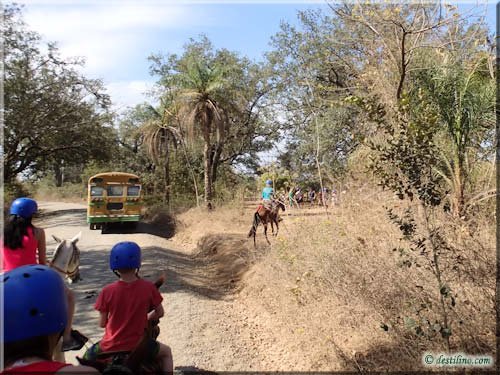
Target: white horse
(66, 261)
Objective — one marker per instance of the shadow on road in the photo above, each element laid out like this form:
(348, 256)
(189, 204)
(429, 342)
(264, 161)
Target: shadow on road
(164, 231)
(78, 217)
(69, 217)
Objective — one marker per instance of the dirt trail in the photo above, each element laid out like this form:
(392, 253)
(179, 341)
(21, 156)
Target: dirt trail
(203, 329)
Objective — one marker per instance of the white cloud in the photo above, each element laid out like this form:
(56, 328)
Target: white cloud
(111, 36)
(128, 93)
(115, 38)
(57, 21)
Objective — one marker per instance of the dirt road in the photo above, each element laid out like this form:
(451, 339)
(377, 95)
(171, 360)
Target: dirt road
(203, 331)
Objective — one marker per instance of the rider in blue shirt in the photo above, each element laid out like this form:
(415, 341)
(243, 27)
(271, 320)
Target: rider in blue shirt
(267, 194)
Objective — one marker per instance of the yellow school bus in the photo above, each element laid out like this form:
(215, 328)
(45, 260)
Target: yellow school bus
(113, 197)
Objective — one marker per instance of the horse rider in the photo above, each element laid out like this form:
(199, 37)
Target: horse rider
(126, 306)
(324, 196)
(334, 197)
(268, 195)
(35, 315)
(24, 244)
(290, 197)
(311, 195)
(299, 196)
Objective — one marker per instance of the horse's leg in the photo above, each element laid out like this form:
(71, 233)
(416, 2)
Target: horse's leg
(253, 230)
(265, 233)
(277, 226)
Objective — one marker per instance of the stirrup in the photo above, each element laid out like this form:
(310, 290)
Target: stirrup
(77, 341)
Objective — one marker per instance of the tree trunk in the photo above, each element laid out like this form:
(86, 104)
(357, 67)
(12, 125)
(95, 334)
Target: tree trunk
(216, 160)
(460, 193)
(58, 174)
(155, 182)
(208, 175)
(7, 174)
(166, 179)
(192, 173)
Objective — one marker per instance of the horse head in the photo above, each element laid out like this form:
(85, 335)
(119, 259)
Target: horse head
(66, 259)
(277, 205)
(281, 205)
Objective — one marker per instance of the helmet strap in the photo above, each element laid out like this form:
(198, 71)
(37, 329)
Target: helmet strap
(116, 273)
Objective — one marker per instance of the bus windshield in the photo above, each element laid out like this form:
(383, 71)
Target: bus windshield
(96, 191)
(115, 191)
(133, 191)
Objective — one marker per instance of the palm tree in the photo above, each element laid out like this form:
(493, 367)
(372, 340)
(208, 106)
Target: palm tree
(464, 94)
(160, 138)
(198, 87)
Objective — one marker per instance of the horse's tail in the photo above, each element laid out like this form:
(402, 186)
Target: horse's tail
(256, 221)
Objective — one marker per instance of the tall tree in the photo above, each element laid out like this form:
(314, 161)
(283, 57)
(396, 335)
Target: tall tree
(199, 87)
(313, 73)
(160, 139)
(464, 93)
(53, 114)
(219, 100)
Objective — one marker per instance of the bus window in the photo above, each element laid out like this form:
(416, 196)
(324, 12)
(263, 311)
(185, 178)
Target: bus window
(96, 191)
(133, 191)
(115, 191)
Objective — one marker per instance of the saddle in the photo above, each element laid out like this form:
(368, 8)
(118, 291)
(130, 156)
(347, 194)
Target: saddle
(79, 339)
(269, 205)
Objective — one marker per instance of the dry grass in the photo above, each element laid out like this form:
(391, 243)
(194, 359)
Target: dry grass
(322, 291)
(342, 271)
(69, 192)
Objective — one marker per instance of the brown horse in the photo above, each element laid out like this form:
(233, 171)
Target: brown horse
(265, 216)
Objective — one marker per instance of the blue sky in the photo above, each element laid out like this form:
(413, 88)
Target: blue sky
(116, 37)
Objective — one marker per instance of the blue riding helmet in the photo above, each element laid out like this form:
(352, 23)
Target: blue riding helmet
(125, 255)
(24, 207)
(269, 182)
(35, 303)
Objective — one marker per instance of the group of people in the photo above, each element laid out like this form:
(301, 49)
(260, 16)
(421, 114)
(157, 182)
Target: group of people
(322, 197)
(297, 196)
(38, 307)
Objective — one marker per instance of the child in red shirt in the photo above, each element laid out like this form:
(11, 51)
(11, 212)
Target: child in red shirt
(126, 305)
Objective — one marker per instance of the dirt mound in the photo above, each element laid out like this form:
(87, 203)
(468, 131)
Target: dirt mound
(159, 216)
(196, 223)
(223, 259)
